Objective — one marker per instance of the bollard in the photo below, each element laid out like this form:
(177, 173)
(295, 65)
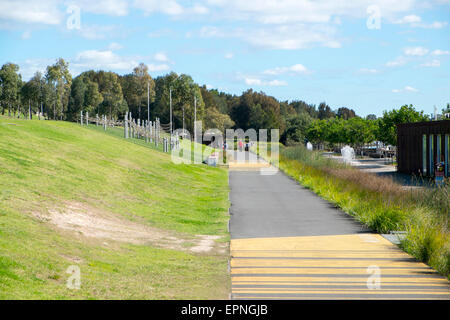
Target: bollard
(87, 118)
(81, 119)
(125, 126)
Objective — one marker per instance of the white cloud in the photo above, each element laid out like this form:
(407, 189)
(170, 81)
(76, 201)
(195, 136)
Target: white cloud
(409, 19)
(434, 25)
(410, 89)
(108, 7)
(253, 81)
(161, 57)
(108, 60)
(229, 55)
(99, 32)
(295, 69)
(169, 7)
(158, 67)
(282, 37)
(399, 61)
(433, 63)
(440, 52)
(293, 37)
(259, 82)
(28, 11)
(277, 83)
(368, 71)
(405, 89)
(416, 22)
(416, 51)
(115, 46)
(30, 66)
(303, 11)
(211, 31)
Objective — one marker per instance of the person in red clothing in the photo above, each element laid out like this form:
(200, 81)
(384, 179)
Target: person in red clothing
(439, 173)
(240, 144)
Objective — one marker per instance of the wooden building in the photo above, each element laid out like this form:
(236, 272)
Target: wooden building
(421, 145)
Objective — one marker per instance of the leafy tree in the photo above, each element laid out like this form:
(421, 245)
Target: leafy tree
(60, 80)
(296, 129)
(325, 111)
(31, 92)
(222, 101)
(446, 111)
(114, 105)
(257, 111)
(302, 106)
(214, 119)
(85, 96)
(137, 88)
(11, 82)
(387, 132)
(316, 132)
(346, 113)
(336, 131)
(360, 131)
(184, 89)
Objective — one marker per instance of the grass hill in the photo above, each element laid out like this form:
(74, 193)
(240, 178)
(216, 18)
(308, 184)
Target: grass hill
(137, 225)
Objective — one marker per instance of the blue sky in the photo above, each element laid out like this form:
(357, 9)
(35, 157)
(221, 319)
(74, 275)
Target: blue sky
(366, 55)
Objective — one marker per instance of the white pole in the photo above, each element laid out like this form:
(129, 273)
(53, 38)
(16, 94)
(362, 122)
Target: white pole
(170, 100)
(148, 101)
(195, 119)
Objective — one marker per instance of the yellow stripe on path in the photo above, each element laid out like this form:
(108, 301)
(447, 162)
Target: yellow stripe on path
(330, 267)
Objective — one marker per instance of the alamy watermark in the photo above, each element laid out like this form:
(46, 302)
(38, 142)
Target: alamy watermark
(74, 281)
(74, 19)
(374, 280)
(374, 20)
(233, 146)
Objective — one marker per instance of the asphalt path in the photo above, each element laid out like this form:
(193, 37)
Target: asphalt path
(277, 206)
(288, 243)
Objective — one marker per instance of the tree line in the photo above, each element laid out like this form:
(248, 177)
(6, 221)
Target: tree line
(61, 97)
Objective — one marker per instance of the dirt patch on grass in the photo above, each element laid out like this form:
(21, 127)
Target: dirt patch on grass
(205, 244)
(94, 223)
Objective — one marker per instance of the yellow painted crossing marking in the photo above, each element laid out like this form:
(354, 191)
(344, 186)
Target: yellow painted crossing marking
(252, 164)
(329, 267)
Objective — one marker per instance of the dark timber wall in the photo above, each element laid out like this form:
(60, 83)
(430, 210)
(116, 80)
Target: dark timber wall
(410, 146)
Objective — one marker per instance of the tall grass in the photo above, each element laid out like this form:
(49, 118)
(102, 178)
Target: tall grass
(379, 203)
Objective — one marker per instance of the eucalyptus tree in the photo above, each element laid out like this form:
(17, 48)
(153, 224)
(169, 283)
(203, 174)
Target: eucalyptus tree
(84, 96)
(138, 89)
(60, 80)
(11, 82)
(185, 92)
(32, 92)
(109, 86)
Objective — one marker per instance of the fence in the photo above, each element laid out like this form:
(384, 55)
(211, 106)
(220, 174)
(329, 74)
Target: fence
(149, 131)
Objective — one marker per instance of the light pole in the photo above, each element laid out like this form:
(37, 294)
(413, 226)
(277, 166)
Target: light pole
(170, 101)
(148, 102)
(195, 119)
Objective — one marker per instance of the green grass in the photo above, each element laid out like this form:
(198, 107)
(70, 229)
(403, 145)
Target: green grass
(44, 164)
(379, 203)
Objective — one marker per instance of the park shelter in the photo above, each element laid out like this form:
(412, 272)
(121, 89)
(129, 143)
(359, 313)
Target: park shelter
(421, 145)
